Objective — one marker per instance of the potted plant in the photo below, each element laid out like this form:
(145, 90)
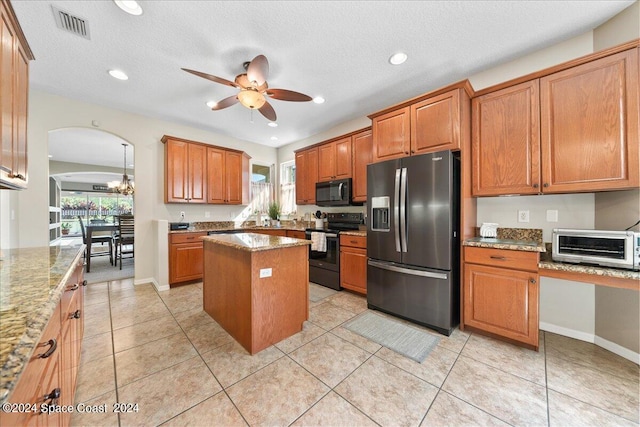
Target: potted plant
(274, 213)
(65, 227)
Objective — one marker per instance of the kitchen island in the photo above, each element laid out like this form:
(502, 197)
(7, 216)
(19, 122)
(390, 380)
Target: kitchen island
(256, 286)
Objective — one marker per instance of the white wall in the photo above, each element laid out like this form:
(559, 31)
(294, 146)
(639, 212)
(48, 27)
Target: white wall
(49, 112)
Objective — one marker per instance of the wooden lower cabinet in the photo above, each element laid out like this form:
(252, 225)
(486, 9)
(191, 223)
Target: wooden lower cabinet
(296, 234)
(353, 263)
(185, 257)
(501, 294)
(271, 232)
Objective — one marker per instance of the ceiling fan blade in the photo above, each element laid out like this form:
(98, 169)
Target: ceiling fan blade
(288, 95)
(268, 111)
(258, 70)
(212, 78)
(227, 102)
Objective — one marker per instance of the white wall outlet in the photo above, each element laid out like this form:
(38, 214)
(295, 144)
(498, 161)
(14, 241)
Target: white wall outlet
(523, 216)
(207, 214)
(181, 215)
(265, 272)
(552, 215)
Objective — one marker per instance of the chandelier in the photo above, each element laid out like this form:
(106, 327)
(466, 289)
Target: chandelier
(125, 187)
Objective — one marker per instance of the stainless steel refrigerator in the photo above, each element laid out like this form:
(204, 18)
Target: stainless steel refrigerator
(413, 242)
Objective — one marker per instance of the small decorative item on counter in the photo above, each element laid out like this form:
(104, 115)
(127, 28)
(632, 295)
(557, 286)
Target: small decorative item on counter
(274, 213)
(489, 229)
(65, 227)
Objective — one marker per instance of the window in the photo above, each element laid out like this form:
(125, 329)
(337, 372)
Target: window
(92, 205)
(261, 187)
(288, 187)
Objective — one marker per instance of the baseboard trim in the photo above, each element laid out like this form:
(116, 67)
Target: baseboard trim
(151, 280)
(594, 339)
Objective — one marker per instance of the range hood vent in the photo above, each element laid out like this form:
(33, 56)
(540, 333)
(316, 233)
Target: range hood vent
(70, 23)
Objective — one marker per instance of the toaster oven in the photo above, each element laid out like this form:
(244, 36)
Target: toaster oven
(618, 249)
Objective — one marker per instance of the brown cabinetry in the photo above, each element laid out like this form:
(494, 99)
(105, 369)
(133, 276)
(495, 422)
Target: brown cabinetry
(270, 231)
(306, 176)
(362, 147)
(353, 263)
(391, 135)
(185, 171)
(225, 174)
(572, 130)
(15, 55)
(334, 160)
(501, 293)
(185, 257)
(297, 234)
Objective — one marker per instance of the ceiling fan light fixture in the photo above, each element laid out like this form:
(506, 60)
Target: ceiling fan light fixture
(272, 124)
(118, 74)
(318, 100)
(398, 58)
(251, 99)
(130, 6)
(211, 104)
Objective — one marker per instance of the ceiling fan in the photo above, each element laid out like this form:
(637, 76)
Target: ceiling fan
(254, 89)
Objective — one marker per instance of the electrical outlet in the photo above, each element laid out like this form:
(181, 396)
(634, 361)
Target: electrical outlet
(265, 272)
(523, 216)
(181, 215)
(552, 215)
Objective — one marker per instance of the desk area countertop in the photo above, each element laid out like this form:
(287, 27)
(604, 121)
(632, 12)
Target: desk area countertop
(253, 242)
(31, 283)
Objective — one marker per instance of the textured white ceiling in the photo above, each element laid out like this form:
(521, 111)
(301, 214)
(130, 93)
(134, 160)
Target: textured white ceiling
(335, 49)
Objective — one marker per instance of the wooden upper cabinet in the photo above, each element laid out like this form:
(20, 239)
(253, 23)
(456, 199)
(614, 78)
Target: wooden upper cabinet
(391, 135)
(185, 171)
(228, 177)
(506, 141)
(589, 124)
(334, 160)
(15, 55)
(306, 176)
(435, 123)
(215, 175)
(362, 145)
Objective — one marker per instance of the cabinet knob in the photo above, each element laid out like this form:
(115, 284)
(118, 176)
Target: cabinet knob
(532, 281)
(546, 185)
(406, 152)
(413, 151)
(535, 185)
(84, 283)
(53, 344)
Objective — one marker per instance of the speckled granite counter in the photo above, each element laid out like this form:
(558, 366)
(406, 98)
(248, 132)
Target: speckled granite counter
(510, 244)
(246, 226)
(253, 242)
(31, 283)
(360, 233)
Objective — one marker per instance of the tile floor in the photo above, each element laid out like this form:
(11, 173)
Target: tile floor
(163, 352)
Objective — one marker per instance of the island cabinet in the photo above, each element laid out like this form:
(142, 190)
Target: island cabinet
(296, 234)
(185, 257)
(334, 160)
(362, 147)
(434, 121)
(501, 294)
(573, 128)
(15, 55)
(353, 263)
(228, 180)
(306, 176)
(270, 231)
(185, 171)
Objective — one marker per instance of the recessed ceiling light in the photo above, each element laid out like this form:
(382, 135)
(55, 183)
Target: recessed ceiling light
(318, 100)
(272, 124)
(211, 104)
(130, 6)
(398, 58)
(274, 138)
(117, 74)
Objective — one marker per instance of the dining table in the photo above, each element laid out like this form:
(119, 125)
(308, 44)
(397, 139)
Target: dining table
(90, 229)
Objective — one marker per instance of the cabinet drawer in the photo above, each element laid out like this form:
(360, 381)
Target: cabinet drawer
(354, 241)
(519, 260)
(186, 237)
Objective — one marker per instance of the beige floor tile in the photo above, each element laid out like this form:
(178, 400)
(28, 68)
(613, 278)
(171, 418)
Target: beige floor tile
(456, 341)
(450, 411)
(96, 294)
(318, 292)
(96, 347)
(142, 333)
(618, 395)
(95, 412)
(358, 340)
(139, 300)
(503, 395)
(588, 354)
(434, 369)
(192, 318)
(231, 362)
(208, 336)
(349, 301)
(216, 410)
(309, 332)
(333, 410)
(565, 411)
(96, 288)
(144, 360)
(126, 289)
(95, 378)
(277, 394)
(167, 393)
(387, 394)
(329, 358)
(126, 316)
(183, 301)
(525, 363)
(328, 316)
(198, 285)
(96, 325)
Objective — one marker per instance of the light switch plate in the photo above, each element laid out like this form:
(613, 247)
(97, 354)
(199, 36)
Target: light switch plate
(265, 272)
(552, 215)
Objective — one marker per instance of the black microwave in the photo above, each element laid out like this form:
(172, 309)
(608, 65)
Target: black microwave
(334, 193)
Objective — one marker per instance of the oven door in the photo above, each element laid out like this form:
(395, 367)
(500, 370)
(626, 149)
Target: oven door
(329, 260)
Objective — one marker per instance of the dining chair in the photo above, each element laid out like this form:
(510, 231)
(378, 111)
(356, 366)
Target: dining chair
(102, 239)
(124, 239)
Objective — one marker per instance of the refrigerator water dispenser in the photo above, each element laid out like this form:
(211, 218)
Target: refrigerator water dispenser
(380, 213)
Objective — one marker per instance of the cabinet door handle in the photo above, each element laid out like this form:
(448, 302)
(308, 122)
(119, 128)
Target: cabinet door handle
(500, 258)
(190, 238)
(53, 396)
(353, 241)
(84, 283)
(75, 315)
(53, 344)
(74, 287)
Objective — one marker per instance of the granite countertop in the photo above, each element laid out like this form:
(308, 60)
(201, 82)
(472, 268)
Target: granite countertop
(510, 244)
(360, 233)
(546, 262)
(31, 283)
(249, 225)
(253, 242)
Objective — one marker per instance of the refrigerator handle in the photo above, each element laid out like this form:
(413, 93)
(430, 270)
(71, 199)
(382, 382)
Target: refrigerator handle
(396, 211)
(410, 271)
(403, 209)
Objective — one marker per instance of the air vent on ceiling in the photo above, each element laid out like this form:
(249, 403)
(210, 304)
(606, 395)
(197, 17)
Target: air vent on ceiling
(73, 24)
